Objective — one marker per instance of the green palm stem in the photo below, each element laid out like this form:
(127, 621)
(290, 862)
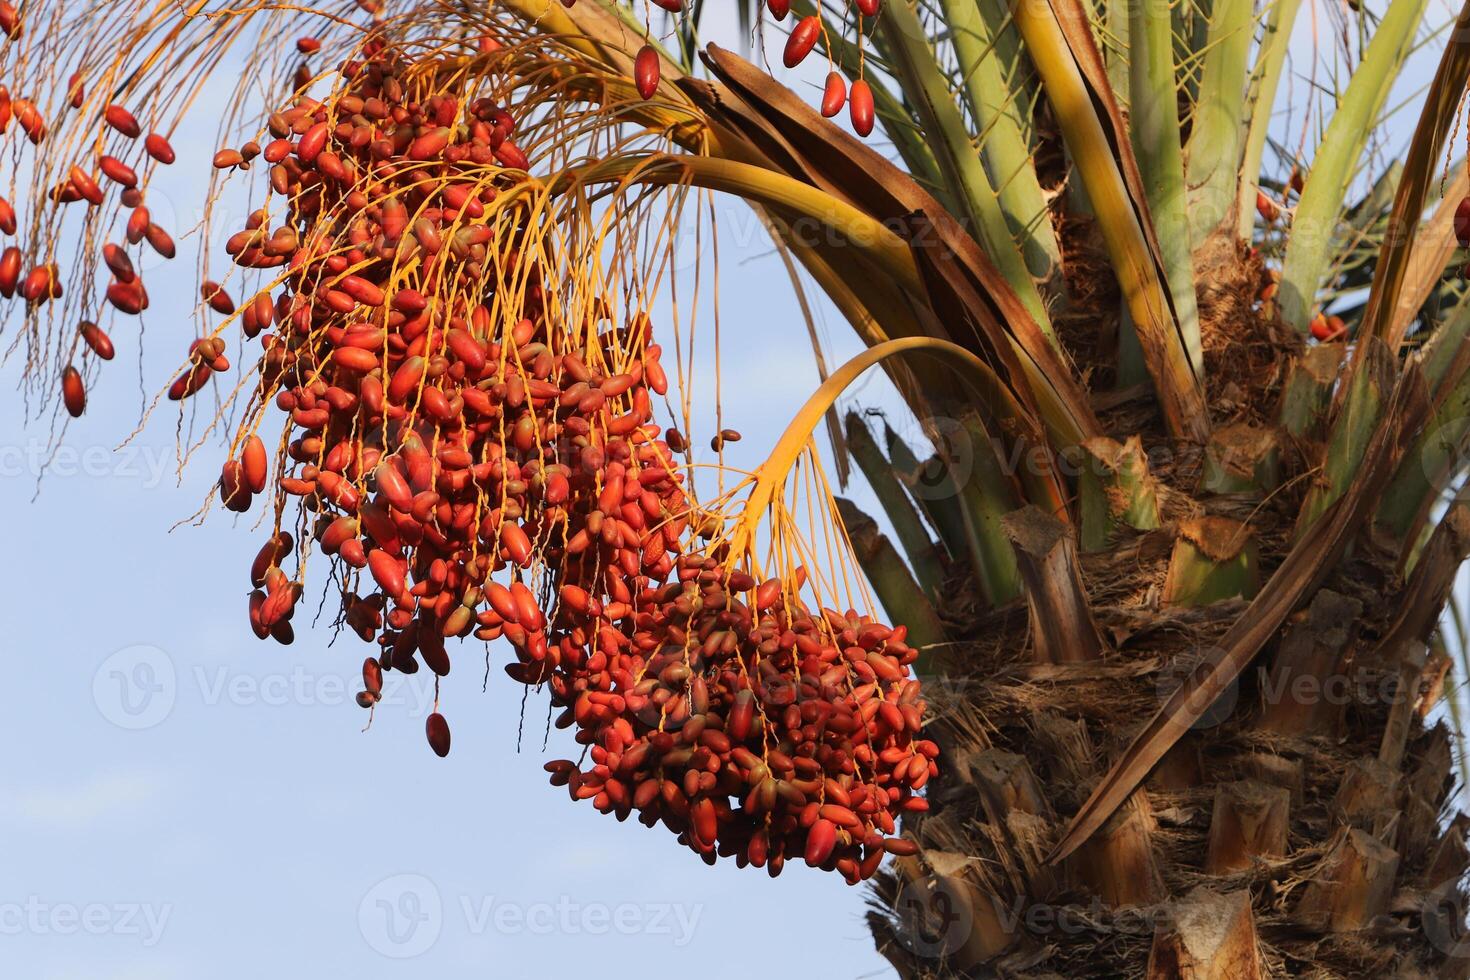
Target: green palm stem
(1216, 124)
(1261, 100)
(1156, 142)
(960, 166)
(913, 536)
(1003, 142)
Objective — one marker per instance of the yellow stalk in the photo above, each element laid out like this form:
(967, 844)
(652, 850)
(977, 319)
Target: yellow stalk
(771, 475)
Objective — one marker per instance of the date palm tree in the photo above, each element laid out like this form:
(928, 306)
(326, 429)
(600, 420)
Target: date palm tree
(1178, 549)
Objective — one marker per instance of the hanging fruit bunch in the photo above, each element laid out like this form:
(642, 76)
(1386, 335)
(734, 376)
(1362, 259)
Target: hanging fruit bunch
(432, 410)
(468, 437)
(475, 463)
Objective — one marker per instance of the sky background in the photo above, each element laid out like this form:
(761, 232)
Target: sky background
(183, 801)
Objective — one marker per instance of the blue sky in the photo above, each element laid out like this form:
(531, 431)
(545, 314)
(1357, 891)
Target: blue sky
(185, 801)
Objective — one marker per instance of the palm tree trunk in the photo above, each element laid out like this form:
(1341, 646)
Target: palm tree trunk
(1302, 826)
